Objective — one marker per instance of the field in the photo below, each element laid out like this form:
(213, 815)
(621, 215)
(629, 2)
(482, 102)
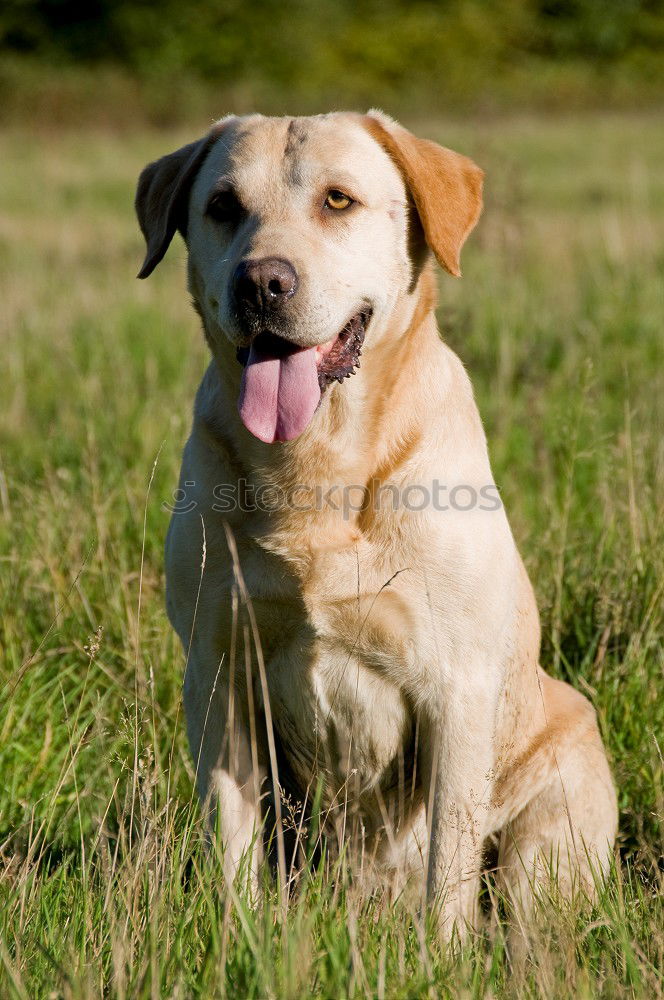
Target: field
(105, 887)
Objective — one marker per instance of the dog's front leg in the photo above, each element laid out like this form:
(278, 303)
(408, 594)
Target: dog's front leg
(229, 773)
(456, 740)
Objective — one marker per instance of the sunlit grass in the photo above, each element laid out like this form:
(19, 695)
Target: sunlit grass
(105, 886)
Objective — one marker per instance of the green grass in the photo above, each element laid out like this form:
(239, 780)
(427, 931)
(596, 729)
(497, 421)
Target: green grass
(105, 887)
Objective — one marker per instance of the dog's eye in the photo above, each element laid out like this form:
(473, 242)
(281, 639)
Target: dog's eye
(337, 200)
(224, 206)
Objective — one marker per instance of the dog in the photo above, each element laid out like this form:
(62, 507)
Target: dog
(356, 619)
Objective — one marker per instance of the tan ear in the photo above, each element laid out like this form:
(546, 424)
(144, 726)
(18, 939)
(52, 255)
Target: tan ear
(162, 195)
(446, 187)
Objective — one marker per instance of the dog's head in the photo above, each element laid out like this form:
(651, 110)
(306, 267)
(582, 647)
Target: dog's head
(303, 235)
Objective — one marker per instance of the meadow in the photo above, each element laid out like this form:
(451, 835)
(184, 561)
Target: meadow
(105, 885)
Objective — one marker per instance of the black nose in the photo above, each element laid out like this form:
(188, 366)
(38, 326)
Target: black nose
(264, 284)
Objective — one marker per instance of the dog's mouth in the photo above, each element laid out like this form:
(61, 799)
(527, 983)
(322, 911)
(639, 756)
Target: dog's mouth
(282, 383)
(340, 358)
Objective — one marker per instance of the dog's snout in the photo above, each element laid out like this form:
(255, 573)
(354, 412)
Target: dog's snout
(264, 283)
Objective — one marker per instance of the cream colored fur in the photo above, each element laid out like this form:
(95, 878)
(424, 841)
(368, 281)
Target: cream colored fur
(399, 647)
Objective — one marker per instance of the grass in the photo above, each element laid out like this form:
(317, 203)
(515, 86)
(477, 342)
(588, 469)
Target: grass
(105, 888)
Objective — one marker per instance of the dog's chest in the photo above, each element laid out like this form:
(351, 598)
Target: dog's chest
(337, 718)
(338, 639)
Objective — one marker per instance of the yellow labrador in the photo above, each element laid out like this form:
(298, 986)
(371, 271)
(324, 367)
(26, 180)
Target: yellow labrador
(342, 575)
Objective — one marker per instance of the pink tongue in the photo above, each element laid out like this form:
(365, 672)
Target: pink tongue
(279, 392)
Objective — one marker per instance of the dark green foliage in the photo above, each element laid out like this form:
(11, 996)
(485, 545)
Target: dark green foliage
(391, 51)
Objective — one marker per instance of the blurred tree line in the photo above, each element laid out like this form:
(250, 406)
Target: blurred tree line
(346, 51)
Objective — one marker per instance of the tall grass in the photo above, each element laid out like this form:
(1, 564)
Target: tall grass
(105, 883)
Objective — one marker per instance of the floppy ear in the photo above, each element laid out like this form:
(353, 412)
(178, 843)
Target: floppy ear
(445, 186)
(162, 195)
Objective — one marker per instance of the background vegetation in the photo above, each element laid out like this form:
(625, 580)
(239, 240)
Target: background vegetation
(161, 61)
(105, 888)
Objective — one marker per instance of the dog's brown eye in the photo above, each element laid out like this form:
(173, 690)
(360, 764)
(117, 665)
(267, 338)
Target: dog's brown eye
(337, 200)
(224, 206)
